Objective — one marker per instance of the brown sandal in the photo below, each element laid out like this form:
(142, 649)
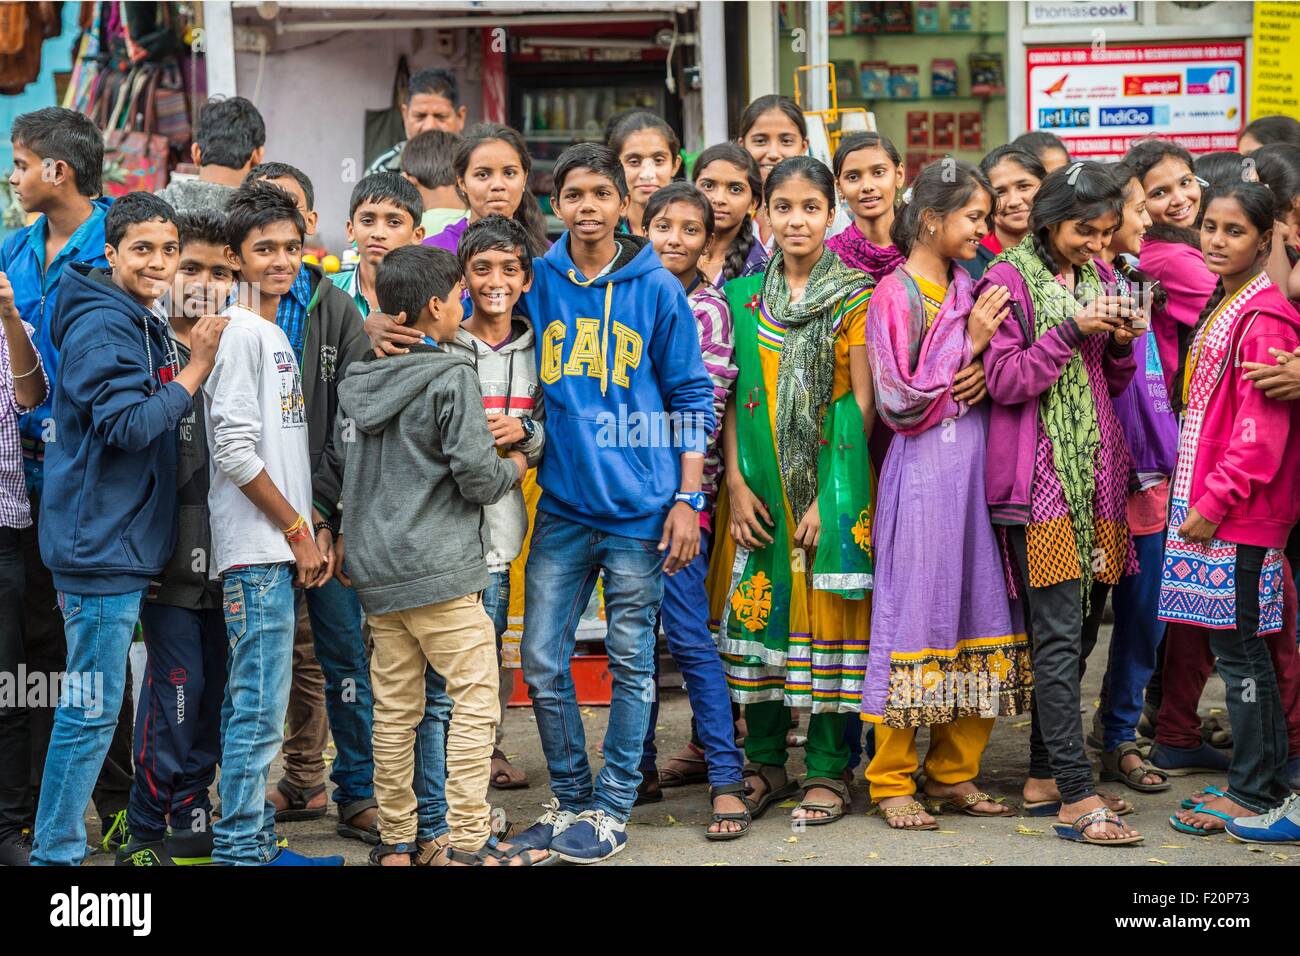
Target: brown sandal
(502, 779)
(776, 790)
(1112, 762)
(683, 768)
(966, 803)
(833, 811)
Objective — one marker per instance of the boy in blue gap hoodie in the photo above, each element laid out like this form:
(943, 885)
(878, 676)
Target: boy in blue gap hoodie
(629, 411)
(109, 521)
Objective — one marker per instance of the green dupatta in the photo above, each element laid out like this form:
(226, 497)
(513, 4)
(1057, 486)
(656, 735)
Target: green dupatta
(756, 619)
(1066, 409)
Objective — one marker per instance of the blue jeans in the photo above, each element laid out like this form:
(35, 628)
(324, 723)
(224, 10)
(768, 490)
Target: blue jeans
(431, 758)
(259, 611)
(336, 621)
(496, 604)
(99, 628)
(1134, 642)
(563, 562)
(685, 619)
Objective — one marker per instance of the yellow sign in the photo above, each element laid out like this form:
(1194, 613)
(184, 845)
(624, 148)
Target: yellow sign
(1274, 67)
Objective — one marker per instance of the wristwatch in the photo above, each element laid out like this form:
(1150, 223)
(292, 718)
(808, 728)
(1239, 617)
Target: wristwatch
(530, 428)
(696, 499)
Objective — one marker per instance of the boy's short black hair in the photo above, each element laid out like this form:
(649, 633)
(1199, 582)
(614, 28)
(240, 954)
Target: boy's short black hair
(59, 134)
(599, 159)
(283, 171)
(410, 276)
(135, 208)
(434, 82)
(1040, 141)
(428, 158)
(388, 187)
(228, 131)
(202, 225)
(256, 206)
(495, 233)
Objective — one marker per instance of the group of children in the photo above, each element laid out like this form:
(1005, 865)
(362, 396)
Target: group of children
(863, 453)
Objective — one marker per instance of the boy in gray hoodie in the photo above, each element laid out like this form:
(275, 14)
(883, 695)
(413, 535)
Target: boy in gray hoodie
(498, 269)
(420, 465)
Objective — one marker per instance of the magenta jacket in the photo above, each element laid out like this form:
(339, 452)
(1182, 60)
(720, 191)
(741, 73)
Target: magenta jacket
(1018, 370)
(1181, 270)
(1247, 473)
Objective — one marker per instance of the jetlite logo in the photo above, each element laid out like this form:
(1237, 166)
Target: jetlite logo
(1164, 84)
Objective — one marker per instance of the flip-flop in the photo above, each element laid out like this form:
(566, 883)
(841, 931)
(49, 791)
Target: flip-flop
(1049, 808)
(913, 809)
(1182, 827)
(1189, 804)
(1076, 832)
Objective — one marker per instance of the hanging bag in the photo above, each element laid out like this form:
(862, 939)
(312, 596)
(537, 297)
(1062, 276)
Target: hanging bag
(135, 155)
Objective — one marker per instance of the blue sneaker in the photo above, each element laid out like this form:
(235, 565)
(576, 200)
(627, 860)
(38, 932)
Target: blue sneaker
(288, 858)
(548, 826)
(593, 837)
(1181, 761)
(1279, 825)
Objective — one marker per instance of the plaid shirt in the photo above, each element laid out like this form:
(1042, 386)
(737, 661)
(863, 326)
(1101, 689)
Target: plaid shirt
(291, 315)
(14, 510)
(718, 343)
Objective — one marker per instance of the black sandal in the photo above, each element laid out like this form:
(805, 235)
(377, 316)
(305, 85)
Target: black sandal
(382, 850)
(490, 851)
(346, 828)
(744, 818)
(298, 799)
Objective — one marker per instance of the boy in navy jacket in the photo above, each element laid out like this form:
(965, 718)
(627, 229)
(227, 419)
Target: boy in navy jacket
(109, 521)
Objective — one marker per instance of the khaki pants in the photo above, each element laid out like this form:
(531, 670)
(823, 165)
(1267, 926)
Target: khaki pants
(456, 639)
(306, 731)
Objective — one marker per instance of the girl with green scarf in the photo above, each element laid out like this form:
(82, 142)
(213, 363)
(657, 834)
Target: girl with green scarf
(796, 568)
(1058, 470)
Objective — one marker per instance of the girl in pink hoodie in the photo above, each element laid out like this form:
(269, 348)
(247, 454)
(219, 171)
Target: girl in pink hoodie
(1171, 250)
(1235, 498)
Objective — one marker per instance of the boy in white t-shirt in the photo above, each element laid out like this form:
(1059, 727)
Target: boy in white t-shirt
(262, 519)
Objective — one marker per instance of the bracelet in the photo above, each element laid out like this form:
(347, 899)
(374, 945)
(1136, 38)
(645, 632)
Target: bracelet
(299, 523)
(33, 370)
(320, 526)
(299, 535)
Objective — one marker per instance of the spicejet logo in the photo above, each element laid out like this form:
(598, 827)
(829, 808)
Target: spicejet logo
(1164, 84)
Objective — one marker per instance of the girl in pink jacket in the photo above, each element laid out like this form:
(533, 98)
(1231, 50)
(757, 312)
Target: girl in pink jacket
(1234, 500)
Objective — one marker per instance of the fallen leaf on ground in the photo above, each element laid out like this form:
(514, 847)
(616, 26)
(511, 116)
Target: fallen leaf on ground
(941, 846)
(1280, 856)
(1156, 860)
(949, 832)
(873, 856)
(1254, 849)
(791, 839)
(985, 862)
(782, 859)
(672, 821)
(788, 804)
(813, 856)
(1027, 831)
(1019, 724)
(1172, 846)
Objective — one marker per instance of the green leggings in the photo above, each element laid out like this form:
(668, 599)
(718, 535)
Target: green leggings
(826, 753)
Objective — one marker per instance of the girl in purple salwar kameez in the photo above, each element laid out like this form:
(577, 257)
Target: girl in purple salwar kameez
(948, 649)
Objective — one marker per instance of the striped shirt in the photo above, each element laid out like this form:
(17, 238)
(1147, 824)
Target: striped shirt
(14, 510)
(291, 313)
(718, 343)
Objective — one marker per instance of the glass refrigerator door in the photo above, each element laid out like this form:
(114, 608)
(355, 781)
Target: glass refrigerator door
(553, 118)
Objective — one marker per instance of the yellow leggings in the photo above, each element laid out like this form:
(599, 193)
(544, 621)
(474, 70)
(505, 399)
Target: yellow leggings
(954, 755)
